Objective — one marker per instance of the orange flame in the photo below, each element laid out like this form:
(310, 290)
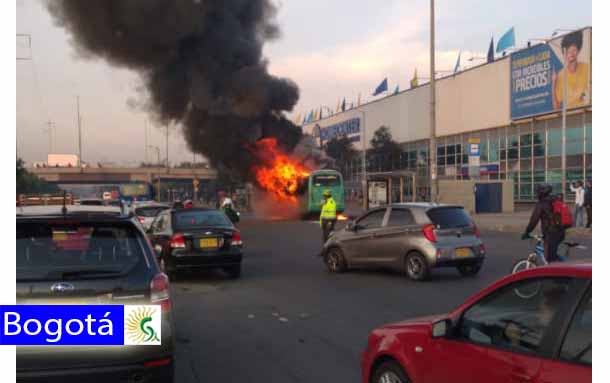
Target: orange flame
(278, 173)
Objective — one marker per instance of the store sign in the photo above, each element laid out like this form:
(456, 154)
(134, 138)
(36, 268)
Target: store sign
(344, 128)
(483, 170)
(537, 76)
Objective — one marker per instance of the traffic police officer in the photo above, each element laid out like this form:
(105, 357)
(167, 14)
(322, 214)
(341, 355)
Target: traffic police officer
(328, 215)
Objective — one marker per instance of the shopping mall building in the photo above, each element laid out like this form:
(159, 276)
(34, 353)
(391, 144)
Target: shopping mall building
(511, 106)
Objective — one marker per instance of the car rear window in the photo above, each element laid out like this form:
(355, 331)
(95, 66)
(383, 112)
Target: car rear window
(186, 219)
(150, 211)
(449, 217)
(51, 250)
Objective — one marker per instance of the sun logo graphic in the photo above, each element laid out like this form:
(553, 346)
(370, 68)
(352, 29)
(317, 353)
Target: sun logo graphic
(143, 325)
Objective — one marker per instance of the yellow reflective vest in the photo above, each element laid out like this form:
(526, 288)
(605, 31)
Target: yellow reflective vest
(329, 210)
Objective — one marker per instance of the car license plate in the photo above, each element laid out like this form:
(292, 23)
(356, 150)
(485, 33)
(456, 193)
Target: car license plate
(208, 243)
(463, 252)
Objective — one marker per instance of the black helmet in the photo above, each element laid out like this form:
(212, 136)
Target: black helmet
(543, 190)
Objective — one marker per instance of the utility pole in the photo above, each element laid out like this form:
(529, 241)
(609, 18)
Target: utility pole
(50, 124)
(80, 139)
(167, 147)
(432, 150)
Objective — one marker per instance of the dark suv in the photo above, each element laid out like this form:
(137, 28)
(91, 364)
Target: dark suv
(194, 239)
(104, 258)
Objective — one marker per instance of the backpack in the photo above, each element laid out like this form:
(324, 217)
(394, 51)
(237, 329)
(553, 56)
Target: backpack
(232, 214)
(562, 216)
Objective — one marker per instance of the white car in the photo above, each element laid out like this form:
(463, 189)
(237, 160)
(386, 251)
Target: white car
(146, 213)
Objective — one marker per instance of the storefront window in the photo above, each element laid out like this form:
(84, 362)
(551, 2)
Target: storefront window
(526, 151)
(554, 142)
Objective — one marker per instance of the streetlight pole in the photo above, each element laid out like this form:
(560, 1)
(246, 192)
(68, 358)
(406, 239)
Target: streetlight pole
(564, 110)
(158, 176)
(167, 147)
(365, 199)
(80, 142)
(432, 154)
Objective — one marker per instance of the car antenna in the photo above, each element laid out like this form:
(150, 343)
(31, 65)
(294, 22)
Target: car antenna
(64, 209)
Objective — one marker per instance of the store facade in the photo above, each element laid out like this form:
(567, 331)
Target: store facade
(511, 106)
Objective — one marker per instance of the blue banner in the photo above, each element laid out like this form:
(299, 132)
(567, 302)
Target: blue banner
(532, 81)
(344, 128)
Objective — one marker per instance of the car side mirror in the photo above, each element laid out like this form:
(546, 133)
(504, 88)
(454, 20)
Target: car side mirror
(441, 328)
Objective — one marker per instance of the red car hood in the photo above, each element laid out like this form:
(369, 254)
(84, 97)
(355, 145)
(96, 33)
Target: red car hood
(429, 319)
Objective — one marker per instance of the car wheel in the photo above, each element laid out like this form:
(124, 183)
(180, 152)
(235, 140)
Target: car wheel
(233, 271)
(335, 261)
(389, 372)
(470, 270)
(416, 267)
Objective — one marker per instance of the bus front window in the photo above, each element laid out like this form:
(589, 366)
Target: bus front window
(326, 180)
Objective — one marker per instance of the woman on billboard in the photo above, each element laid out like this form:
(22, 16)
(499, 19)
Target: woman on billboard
(577, 75)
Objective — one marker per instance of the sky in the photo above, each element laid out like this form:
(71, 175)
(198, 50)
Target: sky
(332, 49)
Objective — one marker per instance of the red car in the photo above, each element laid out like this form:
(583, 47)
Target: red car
(534, 326)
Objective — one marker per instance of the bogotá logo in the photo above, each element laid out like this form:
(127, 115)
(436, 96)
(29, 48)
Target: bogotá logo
(142, 325)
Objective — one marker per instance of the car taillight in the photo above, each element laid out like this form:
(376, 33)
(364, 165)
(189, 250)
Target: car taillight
(477, 233)
(159, 291)
(177, 241)
(141, 219)
(157, 363)
(236, 239)
(482, 249)
(428, 231)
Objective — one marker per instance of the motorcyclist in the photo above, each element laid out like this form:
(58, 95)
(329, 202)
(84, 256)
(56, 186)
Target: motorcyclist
(543, 213)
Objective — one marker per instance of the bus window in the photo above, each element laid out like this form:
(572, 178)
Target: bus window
(326, 180)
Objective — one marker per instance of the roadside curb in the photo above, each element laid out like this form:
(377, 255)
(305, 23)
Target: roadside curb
(574, 232)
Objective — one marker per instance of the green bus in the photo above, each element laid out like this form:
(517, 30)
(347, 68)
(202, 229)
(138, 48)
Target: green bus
(319, 181)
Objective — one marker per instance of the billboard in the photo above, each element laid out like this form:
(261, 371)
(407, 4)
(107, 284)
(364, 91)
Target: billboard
(538, 76)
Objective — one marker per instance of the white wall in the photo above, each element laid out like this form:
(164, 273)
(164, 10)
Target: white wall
(407, 114)
(474, 99)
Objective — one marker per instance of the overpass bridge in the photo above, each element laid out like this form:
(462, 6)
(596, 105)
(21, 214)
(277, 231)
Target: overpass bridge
(101, 175)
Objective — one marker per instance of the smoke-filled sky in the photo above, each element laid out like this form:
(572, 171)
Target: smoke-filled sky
(330, 50)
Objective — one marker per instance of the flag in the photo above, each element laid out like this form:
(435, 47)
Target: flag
(383, 87)
(414, 79)
(297, 120)
(490, 52)
(320, 113)
(315, 115)
(457, 64)
(358, 99)
(310, 117)
(338, 105)
(396, 90)
(343, 105)
(506, 41)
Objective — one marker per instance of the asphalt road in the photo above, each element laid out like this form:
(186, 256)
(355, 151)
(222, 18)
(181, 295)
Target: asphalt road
(289, 320)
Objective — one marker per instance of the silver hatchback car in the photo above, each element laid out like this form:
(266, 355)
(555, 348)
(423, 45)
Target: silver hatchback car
(409, 237)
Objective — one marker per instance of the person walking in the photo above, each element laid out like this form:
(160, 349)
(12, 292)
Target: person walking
(543, 213)
(589, 202)
(579, 202)
(328, 215)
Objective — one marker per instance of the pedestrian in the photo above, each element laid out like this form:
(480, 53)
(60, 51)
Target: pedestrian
(328, 215)
(589, 202)
(552, 231)
(579, 202)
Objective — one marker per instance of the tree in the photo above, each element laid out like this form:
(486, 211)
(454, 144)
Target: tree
(385, 152)
(30, 183)
(341, 149)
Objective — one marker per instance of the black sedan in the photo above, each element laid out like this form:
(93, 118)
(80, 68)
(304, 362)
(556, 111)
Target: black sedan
(195, 239)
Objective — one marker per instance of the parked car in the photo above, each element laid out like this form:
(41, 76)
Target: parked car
(146, 213)
(409, 237)
(533, 326)
(195, 239)
(100, 256)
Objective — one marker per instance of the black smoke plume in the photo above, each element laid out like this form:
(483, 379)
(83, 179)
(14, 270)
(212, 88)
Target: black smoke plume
(201, 63)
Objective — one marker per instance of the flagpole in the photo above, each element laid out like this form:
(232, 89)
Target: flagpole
(432, 150)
